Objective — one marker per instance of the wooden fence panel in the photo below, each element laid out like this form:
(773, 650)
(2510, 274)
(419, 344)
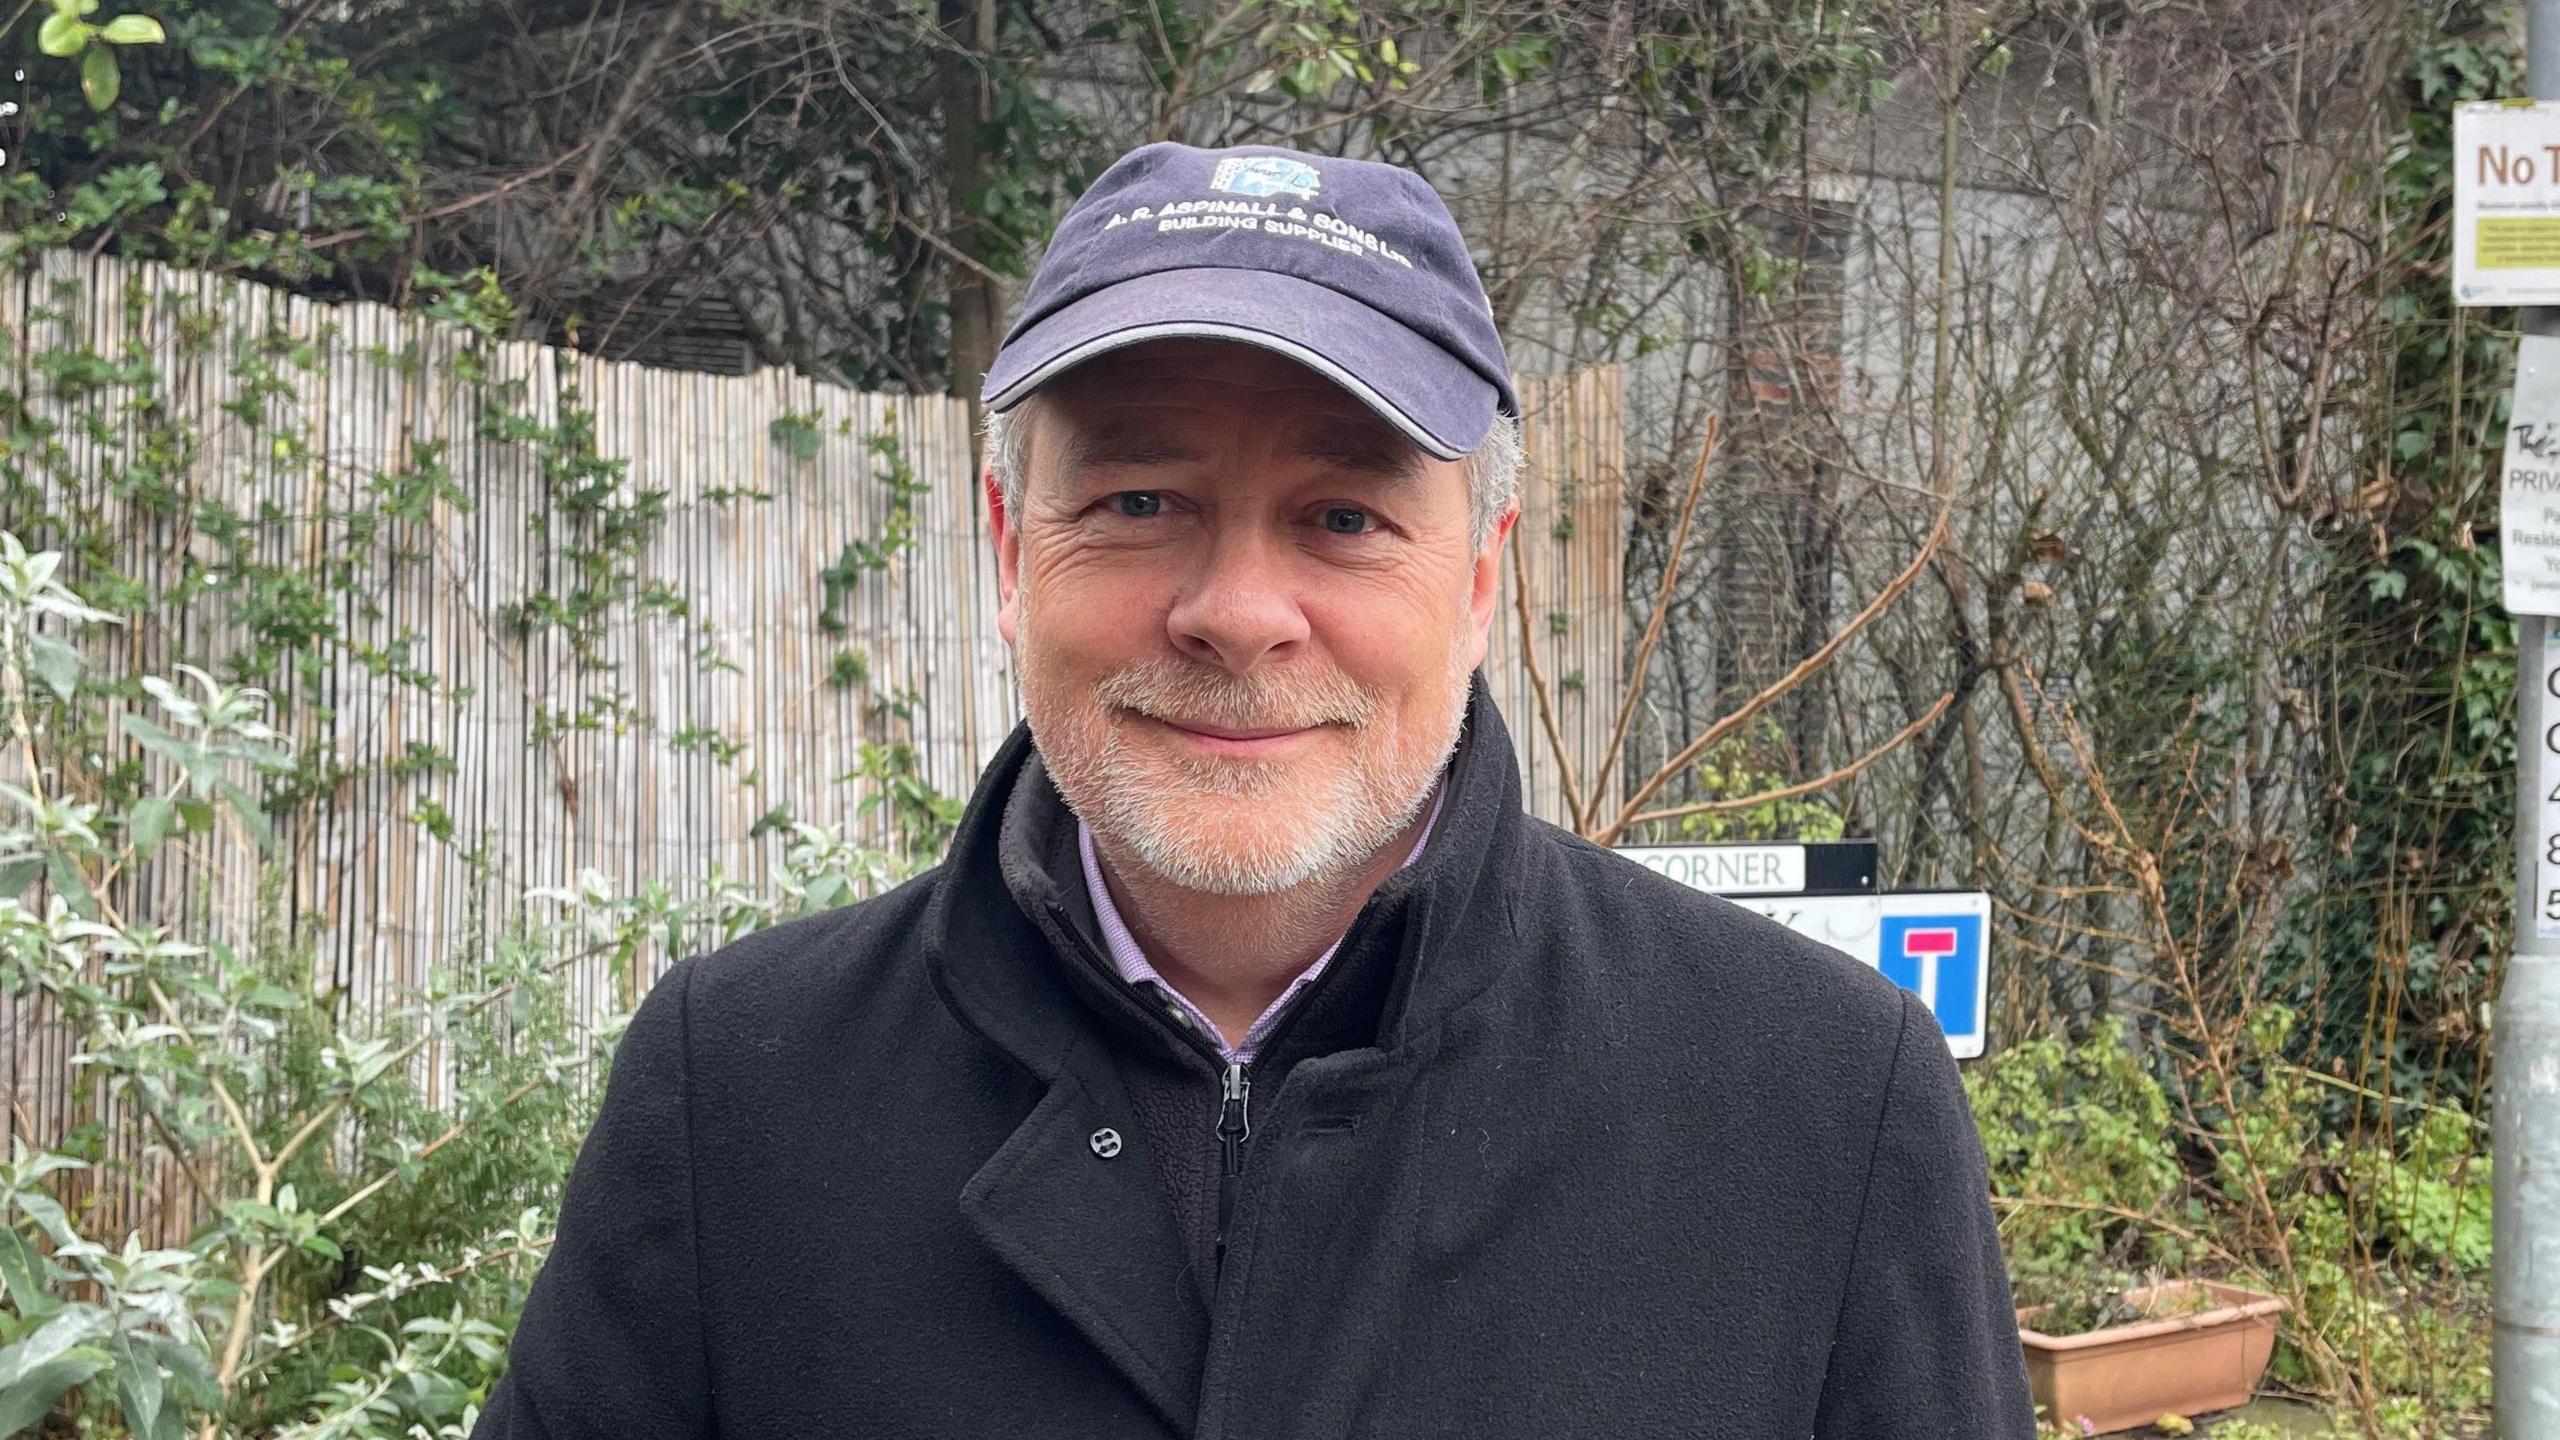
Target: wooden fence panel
(557, 763)
(1571, 539)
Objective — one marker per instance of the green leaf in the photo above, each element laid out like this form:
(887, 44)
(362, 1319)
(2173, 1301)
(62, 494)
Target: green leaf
(797, 434)
(247, 808)
(99, 79)
(27, 1399)
(248, 1214)
(137, 1385)
(187, 1375)
(21, 1278)
(262, 995)
(148, 734)
(62, 34)
(151, 822)
(16, 875)
(47, 1213)
(72, 1330)
(73, 887)
(132, 30)
(56, 664)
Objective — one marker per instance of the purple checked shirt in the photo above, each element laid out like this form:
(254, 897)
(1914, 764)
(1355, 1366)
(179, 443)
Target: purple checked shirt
(1134, 967)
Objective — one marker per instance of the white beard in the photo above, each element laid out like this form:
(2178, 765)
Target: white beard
(1232, 826)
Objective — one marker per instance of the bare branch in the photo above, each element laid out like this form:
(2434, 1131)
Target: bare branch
(1634, 685)
(1822, 782)
(1803, 670)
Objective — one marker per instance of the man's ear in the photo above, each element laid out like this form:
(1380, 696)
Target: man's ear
(1008, 543)
(1485, 584)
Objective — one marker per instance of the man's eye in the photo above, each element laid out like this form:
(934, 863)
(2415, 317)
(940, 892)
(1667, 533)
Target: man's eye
(1138, 504)
(1346, 520)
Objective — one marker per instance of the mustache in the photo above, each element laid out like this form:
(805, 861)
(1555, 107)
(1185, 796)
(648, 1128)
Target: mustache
(1179, 690)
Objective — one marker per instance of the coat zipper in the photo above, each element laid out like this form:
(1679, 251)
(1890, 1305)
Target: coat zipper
(1235, 1090)
(1235, 1093)
(1235, 1079)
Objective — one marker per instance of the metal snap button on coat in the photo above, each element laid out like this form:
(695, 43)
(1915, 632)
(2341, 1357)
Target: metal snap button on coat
(1105, 1142)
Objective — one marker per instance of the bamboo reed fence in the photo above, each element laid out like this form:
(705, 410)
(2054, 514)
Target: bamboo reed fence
(712, 696)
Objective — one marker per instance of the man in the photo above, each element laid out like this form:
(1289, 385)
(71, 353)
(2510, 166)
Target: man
(1253, 1066)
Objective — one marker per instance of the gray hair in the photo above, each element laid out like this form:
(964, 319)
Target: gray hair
(1493, 468)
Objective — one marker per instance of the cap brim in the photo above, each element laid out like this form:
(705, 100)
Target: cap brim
(1424, 391)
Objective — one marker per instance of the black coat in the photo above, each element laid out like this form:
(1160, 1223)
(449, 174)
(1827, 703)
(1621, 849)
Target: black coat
(1608, 1158)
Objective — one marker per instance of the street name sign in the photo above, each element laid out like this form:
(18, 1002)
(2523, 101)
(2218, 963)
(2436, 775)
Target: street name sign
(1773, 869)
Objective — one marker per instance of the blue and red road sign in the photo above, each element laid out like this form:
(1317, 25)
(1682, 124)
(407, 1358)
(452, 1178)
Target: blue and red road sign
(1938, 957)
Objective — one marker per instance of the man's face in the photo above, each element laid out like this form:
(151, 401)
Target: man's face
(1243, 609)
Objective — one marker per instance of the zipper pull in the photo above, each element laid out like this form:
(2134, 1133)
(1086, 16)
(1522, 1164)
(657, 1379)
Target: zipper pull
(1234, 1128)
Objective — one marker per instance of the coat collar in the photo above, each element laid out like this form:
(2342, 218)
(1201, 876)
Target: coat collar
(1099, 1241)
(1011, 961)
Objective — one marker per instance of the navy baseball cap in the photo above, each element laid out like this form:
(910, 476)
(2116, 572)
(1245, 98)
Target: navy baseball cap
(1350, 267)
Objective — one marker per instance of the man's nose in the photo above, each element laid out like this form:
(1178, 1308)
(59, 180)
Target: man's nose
(1242, 604)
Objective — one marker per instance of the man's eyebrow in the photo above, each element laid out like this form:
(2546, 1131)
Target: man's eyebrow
(1109, 444)
(1380, 452)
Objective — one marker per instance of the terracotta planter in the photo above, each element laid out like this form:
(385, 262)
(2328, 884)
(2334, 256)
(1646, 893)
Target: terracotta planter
(2129, 1375)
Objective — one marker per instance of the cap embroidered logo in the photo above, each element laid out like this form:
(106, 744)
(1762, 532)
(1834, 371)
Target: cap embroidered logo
(1265, 175)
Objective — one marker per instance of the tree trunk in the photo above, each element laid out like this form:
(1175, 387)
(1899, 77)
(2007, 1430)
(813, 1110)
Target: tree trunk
(970, 28)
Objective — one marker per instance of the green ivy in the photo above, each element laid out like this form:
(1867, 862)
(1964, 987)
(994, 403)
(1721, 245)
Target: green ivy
(2392, 954)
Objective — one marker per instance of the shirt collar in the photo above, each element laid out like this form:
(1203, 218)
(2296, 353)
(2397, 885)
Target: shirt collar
(1134, 967)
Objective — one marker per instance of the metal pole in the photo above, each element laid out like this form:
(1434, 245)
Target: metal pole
(2525, 1027)
(2525, 1076)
